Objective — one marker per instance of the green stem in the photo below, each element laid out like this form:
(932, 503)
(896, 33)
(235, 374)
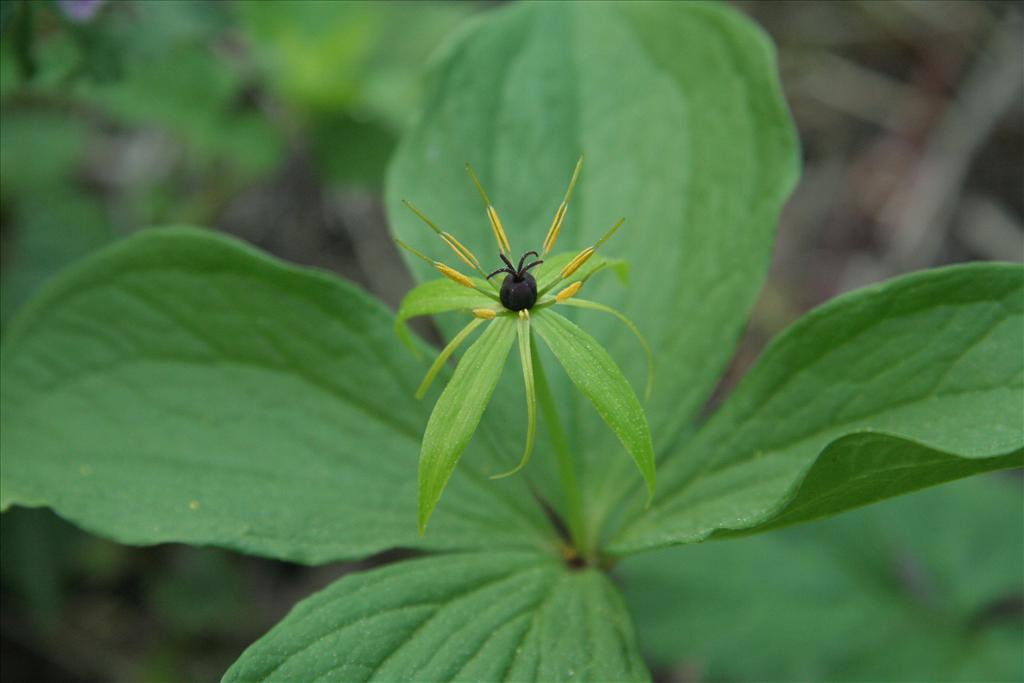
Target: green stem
(566, 471)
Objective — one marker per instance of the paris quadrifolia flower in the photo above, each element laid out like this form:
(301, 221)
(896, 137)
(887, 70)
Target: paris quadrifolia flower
(515, 304)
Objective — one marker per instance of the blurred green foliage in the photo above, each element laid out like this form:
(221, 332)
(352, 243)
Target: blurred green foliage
(164, 112)
(924, 587)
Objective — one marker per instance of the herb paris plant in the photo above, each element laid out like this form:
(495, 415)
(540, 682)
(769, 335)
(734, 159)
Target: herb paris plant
(180, 386)
(460, 407)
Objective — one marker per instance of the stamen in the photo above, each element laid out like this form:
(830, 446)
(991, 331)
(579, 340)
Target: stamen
(568, 292)
(556, 227)
(607, 235)
(464, 254)
(492, 214)
(499, 232)
(409, 205)
(461, 251)
(485, 313)
(453, 274)
(556, 224)
(578, 261)
(415, 252)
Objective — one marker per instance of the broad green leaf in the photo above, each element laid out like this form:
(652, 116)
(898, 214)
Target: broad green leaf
(927, 369)
(180, 386)
(914, 589)
(436, 296)
(472, 617)
(859, 469)
(678, 109)
(595, 373)
(459, 409)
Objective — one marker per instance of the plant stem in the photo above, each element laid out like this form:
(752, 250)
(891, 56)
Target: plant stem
(566, 472)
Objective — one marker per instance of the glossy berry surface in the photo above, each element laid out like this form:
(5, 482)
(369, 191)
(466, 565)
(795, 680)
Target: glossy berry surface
(518, 291)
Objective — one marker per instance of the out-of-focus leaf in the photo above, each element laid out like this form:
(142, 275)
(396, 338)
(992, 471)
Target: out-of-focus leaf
(474, 617)
(180, 386)
(361, 57)
(42, 243)
(38, 152)
(921, 588)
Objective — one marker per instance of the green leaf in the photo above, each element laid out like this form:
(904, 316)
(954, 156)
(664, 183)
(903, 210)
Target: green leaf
(180, 386)
(474, 617)
(459, 409)
(445, 354)
(595, 373)
(679, 111)
(926, 370)
(436, 296)
(576, 302)
(526, 362)
(906, 596)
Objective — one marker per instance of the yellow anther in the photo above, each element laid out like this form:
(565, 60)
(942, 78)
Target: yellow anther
(569, 292)
(492, 215)
(556, 227)
(524, 314)
(455, 275)
(461, 251)
(578, 261)
(556, 224)
(499, 232)
(485, 313)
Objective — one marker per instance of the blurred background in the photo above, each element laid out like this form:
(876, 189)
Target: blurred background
(274, 121)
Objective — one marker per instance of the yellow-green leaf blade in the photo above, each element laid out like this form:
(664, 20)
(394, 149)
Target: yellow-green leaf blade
(594, 372)
(459, 409)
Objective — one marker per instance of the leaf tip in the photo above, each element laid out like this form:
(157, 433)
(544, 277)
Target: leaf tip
(649, 480)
